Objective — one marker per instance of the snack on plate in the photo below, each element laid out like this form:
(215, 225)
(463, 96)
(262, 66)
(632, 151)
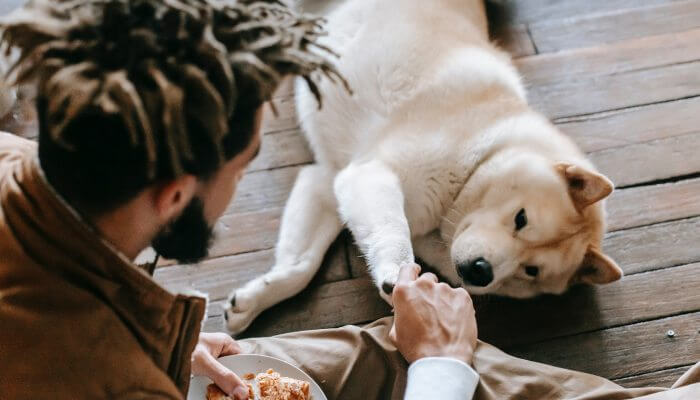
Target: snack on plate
(275, 387)
(214, 393)
(270, 386)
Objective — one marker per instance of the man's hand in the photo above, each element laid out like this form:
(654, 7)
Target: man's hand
(204, 362)
(432, 319)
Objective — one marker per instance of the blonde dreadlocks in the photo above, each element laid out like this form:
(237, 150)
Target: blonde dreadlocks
(172, 72)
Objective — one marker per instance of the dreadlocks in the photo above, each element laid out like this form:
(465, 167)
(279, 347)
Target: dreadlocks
(157, 88)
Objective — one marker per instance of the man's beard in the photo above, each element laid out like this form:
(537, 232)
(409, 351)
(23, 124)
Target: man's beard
(186, 238)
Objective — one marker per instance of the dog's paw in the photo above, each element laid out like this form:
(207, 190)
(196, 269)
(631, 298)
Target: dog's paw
(242, 310)
(386, 287)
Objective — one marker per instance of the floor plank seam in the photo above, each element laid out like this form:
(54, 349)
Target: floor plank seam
(281, 167)
(293, 129)
(532, 40)
(673, 179)
(611, 110)
(604, 328)
(630, 143)
(601, 115)
(651, 68)
(693, 262)
(654, 371)
(679, 219)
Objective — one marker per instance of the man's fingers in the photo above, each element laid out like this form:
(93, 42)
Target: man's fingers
(408, 273)
(224, 378)
(392, 333)
(230, 347)
(429, 276)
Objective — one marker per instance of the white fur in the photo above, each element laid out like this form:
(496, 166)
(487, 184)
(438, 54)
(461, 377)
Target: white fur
(404, 153)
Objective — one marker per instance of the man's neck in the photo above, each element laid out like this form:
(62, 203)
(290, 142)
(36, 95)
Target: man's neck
(121, 232)
(129, 228)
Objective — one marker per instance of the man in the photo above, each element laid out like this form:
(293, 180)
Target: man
(149, 112)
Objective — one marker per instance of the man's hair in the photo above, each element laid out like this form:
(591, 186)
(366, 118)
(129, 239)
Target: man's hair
(135, 92)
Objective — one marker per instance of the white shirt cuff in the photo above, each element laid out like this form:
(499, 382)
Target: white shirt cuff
(440, 378)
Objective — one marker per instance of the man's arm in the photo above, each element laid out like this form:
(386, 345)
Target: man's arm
(435, 330)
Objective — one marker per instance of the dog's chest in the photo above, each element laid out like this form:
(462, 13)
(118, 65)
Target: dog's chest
(429, 192)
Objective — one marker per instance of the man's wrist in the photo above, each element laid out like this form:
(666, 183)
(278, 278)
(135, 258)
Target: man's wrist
(460, 380)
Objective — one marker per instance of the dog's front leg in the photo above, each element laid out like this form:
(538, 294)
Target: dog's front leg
(309, 225)
(371, 202)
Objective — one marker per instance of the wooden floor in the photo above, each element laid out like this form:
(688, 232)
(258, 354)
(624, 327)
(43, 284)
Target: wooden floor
(622, 77)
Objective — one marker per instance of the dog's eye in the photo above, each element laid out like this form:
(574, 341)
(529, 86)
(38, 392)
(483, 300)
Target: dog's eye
(532, 270)
(520, 220)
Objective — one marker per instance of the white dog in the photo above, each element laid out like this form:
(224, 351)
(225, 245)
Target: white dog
(437, 153)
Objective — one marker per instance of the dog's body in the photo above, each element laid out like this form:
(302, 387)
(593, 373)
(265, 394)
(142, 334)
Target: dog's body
(437, 153)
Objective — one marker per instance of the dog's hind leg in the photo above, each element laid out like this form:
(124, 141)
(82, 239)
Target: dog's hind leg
(310, 223)
(371, 201)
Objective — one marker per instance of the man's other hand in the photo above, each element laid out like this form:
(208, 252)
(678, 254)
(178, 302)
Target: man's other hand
(432, 319)
(204, 363)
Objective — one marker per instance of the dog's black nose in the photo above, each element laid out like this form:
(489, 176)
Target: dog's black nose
(477, 272)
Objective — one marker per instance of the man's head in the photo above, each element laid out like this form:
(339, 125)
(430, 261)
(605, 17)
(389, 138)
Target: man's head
(149, 110)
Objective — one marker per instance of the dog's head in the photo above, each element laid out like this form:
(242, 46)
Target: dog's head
(531, 226)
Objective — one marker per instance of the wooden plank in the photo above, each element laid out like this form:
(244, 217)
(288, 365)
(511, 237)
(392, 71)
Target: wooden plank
(627, 56)
(284, 104)
(214, 324)
(634, 125)
(330, 305)
(246, 232)
(650, 161)
(510, 322)
(219, 276)
(6, 6)
(646, 205)
(664, 378)
(515, 39)
(623, 351)
(358, 265)
(503, 322)
(590, 30)
(586, 95)
(261, 190)
(335, 263)
(282, 149)
(657, 246)
(544, 10)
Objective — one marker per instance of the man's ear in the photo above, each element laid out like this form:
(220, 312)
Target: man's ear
(597, 268)
(171, 198)
(585, 186)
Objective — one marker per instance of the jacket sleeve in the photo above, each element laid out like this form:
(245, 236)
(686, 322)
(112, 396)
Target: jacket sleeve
(440, 378)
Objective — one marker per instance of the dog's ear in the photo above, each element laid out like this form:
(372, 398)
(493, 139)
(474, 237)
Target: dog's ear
(597, 268)
(585, 186)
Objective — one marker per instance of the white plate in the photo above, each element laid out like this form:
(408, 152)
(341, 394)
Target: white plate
(242, 364)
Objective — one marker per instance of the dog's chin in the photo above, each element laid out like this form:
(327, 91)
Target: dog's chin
(480, 290)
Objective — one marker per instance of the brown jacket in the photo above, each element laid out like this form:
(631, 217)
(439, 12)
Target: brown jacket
(77, 319)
